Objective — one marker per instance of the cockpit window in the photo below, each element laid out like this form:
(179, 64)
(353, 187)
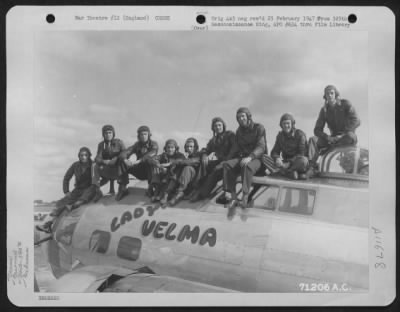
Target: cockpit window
(349, 160)
(129, 248)
(99, 241)
(300, 201)
(266, 198)
(65, 230)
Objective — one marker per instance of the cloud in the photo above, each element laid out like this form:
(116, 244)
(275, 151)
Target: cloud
(176, 82)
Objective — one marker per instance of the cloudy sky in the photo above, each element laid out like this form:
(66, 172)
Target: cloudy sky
(176, 82)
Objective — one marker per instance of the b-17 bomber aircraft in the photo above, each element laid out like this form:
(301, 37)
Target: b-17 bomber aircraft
(295, 233)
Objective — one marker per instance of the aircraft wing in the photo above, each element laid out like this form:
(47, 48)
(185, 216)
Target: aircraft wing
(115, 279)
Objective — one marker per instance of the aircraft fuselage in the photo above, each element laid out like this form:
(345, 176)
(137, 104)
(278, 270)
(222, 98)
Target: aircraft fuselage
(268, 250)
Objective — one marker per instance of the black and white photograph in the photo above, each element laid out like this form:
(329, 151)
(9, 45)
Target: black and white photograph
(199, 162)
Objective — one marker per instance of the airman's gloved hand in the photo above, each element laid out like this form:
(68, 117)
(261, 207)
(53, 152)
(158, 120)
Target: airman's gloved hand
(332, 139)
(278, 162)
(245, 161)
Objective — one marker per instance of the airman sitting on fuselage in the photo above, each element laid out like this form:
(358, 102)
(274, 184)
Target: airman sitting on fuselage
(217, 150)
(162, 171)
(186, 173)
(106, 165)
(83, 192)
(145, 149)
(288, 154)
(245, 158)
(342, 121)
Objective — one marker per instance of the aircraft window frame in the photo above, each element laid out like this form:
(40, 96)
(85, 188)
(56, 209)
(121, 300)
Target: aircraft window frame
(105, 237)
(333, 158)
(267, 188)
(136, 245)
(356, 171)
(65, 229)
(282, 198)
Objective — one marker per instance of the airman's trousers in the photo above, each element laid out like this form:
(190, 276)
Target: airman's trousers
(158, 176)
(215, 172)
(232, 170)
(185, 177)
(299, 164)
(315, 144)
(104, 172)
(141, 171)
(85, 195)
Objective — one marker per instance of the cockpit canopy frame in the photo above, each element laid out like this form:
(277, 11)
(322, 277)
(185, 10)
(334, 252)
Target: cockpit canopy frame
(345, 162)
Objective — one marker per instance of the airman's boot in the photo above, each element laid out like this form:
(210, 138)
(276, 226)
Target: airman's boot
(231, 208)
(222, 199)
(164, 200)
(98, 194)
(177, 198)
(231, 202)
(122, 192)
(112, 190)
(244, 201)
(150, 191)
(156, 196)
(46, 227)
(312, 170)
(302, 176)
